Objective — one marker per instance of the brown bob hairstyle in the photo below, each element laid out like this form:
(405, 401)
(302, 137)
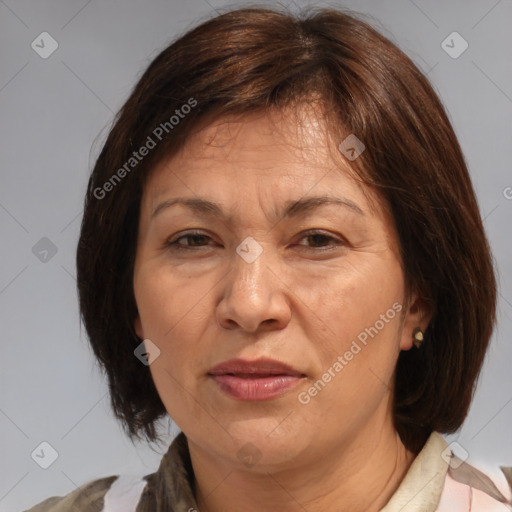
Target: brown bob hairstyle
(251, 59)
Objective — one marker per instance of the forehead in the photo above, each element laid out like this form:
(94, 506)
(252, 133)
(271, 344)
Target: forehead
(258, 141)
(276, 154)
(300, 129)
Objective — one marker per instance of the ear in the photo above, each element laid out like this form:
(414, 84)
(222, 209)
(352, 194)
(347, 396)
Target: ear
(138, 327)
(418, 314)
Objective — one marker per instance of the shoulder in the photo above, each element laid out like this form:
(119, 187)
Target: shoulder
(479, 491)
(117, 493)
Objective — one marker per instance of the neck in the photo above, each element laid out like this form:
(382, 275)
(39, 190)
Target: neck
(360, 475)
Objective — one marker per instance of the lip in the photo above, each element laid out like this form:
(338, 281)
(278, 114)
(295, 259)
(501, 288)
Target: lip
(260, 379)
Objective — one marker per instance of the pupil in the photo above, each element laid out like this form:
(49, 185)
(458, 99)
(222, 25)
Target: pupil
(195, 237)
(317, 239)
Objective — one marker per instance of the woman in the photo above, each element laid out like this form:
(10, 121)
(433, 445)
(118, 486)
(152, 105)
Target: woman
(281, 248)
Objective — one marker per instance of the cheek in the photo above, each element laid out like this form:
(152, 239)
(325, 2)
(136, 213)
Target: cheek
(356, 293)
(172, 316)
(360, 308)
(359, 349)
(167, 301)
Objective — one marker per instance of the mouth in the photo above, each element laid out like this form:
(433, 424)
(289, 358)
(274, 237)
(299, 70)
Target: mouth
(257, 380)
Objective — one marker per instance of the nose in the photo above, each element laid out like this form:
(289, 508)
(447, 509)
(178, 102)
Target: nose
(254, 297)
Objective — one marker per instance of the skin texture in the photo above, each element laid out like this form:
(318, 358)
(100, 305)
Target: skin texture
(303, 301)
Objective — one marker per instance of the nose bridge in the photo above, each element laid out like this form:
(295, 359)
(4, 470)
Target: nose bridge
(249, 266)
(252, 294)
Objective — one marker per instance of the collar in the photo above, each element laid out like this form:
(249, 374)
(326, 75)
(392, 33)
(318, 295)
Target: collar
(422, 486)
(419, 491)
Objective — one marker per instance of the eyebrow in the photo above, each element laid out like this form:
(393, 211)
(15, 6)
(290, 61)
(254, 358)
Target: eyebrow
(292, 208)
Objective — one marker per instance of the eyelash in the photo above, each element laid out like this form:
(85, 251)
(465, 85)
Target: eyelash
(173, 243)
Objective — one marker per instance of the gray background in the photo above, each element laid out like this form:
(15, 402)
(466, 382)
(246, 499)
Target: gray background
(52, 111)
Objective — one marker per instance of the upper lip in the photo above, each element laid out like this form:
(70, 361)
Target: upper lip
(262, 366)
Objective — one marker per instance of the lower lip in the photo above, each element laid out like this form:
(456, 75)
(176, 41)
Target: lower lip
(253, 389)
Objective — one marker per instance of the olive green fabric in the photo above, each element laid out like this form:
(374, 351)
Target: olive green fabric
(87, 498)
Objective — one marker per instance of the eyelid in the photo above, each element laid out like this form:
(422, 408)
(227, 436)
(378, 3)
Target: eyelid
(184, 234)
(327, 234)
(334, 239)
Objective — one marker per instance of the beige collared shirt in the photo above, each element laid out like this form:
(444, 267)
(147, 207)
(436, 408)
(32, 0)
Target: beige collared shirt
(421, 488)
(437, 481)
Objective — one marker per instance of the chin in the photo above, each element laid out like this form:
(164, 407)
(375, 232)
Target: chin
(265, 442)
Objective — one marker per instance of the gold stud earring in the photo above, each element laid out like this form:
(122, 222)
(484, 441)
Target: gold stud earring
(417, 335)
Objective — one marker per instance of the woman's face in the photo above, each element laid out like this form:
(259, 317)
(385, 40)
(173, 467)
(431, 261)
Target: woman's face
(268, 273)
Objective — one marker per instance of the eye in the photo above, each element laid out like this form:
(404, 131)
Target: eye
(320, 239)
(197, 239)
